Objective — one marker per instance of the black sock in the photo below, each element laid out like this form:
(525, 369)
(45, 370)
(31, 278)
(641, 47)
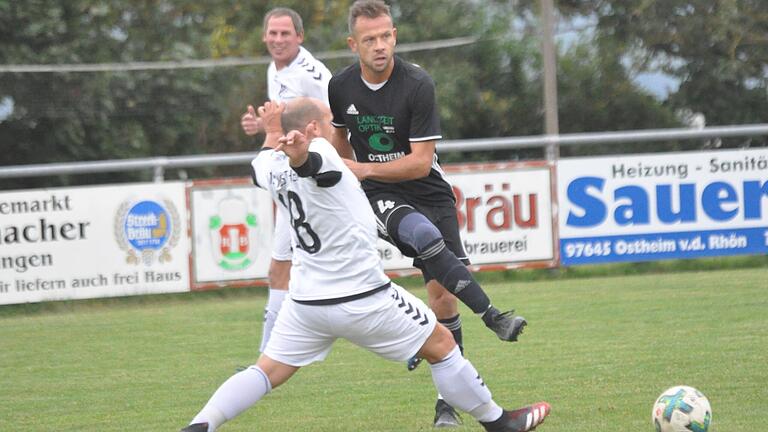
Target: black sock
(456, 278)
(454, 325)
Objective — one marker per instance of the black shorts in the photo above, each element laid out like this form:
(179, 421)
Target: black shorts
(391, 208)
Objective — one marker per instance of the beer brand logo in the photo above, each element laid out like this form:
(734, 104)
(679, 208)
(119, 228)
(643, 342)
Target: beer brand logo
(147, 231)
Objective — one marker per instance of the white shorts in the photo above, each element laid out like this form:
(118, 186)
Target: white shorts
(392, 323)
(281, 244)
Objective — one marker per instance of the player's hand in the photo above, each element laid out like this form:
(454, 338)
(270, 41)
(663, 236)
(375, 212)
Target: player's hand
(361, 170)
(269, 114)
(295, 145)
(250, 122)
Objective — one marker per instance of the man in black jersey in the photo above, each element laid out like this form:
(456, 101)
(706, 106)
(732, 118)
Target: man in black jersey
(388, 108)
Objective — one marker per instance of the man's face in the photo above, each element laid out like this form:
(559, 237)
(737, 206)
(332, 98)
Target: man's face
(323, 127)
(374, 41)
(281, 40)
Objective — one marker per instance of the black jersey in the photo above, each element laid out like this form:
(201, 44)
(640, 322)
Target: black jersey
(385, 123)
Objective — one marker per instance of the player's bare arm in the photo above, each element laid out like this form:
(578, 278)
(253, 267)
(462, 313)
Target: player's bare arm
(412, 166)
(341, 143)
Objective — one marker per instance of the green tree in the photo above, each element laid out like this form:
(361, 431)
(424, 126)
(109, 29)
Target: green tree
(717, 49)
(494, 87)
(87, 116)
(490, 88)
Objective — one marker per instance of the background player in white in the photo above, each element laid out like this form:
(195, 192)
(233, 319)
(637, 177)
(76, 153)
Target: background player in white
(293, 73)
(338, 287)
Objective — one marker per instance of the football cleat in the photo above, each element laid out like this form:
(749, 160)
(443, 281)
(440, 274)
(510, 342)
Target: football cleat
(521, 420)
(196, 427)
(506, 325)
(414, 362)
(445, 415)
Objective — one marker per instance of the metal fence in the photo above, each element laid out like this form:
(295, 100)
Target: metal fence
(160, 164)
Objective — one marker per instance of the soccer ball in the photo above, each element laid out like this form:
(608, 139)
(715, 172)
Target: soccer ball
(682, 409)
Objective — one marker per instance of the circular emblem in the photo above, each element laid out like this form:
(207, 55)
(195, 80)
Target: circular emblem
(381, 142)
(147, 226)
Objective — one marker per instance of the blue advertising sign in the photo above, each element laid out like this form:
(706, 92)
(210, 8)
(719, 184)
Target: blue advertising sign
(663, 206)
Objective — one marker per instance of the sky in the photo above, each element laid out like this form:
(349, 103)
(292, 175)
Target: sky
(581, 28)
(6, 108)
(658, 84)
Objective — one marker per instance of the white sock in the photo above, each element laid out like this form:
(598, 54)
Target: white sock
(241, 391)
(461, 386)
(274, 303)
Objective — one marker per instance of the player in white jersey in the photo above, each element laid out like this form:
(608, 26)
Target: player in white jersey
(304, 76)
(338, 288)
(293, 73)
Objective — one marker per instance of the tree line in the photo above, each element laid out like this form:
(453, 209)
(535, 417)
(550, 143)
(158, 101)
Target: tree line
(717, 50)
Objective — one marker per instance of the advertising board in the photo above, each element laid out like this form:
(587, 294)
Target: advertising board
(232, 223)
(504, 209)
(663, 206)
(505, 213)
(86, 242)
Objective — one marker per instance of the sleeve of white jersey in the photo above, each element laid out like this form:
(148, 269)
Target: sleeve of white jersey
(271, 86)
(331, 159)
(318, 88)
(260, 169)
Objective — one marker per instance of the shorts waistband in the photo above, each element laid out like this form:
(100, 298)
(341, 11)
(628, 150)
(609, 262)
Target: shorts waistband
(333, 301)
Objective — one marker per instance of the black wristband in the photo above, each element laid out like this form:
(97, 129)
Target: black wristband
(311, 166)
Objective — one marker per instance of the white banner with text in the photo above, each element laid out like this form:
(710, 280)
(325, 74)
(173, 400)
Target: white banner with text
(87, 242)
(663, 206)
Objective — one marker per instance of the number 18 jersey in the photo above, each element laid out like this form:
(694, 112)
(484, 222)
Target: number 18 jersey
(333, 229)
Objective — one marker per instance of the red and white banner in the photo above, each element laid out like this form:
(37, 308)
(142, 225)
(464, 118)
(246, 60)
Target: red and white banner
(505, 213)
(232, 223)
(505, 216)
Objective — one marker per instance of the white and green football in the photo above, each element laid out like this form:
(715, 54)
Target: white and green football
(682, 409)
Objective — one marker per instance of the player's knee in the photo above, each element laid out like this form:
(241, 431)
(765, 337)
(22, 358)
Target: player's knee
(438, 345)
(418, 232)
(426, 235)
(275, 372)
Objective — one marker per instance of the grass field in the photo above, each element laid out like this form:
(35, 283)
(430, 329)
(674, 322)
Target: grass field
(600, 350)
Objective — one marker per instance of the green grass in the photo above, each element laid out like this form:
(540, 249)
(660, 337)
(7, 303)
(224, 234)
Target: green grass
(600, 350)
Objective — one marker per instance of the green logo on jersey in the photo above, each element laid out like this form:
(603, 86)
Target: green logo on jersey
(380, 127)
(381, 142)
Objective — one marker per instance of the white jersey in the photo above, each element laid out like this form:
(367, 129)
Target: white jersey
(333, 228)
(304, 77)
